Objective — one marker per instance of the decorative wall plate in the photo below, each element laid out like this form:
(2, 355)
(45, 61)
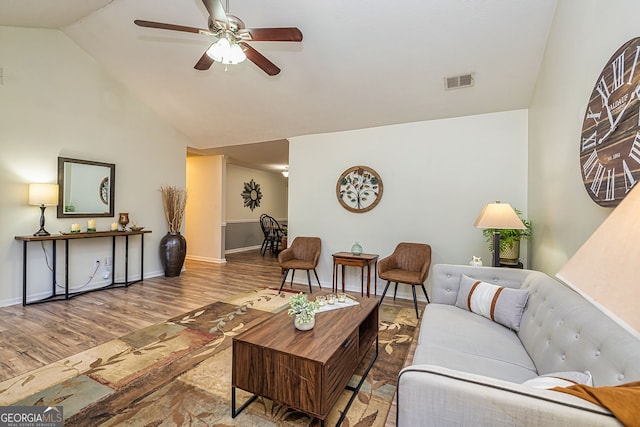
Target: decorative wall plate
(251, 194)
(359, 189)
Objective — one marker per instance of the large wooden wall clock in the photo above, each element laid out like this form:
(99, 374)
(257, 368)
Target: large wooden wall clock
(359, 189)
(610, 140)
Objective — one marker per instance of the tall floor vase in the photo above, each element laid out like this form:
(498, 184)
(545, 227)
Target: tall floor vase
(173, 250)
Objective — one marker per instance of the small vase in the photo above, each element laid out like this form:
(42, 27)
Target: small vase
(356, 249)
(304, 326)
(123, 220)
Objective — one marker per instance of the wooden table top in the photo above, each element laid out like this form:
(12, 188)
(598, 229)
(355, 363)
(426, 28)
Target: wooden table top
(81, 235)
(331, 330)
(349, 255)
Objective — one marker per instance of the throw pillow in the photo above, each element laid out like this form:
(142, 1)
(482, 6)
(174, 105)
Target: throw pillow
(560, 379)
(500, 304)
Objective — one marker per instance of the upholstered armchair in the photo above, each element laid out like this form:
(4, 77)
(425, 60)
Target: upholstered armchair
(303, 254)
(409, 263)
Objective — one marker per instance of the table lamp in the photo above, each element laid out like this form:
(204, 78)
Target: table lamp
(498, 216)
(43, 195)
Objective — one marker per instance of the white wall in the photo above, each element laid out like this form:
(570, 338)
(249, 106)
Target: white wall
(56, 101)
(584, 35)
(205, 208)
(437, 177)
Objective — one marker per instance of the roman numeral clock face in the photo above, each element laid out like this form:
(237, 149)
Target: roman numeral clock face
(610, 142)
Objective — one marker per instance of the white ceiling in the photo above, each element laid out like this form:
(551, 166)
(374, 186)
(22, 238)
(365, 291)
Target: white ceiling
(362, 63)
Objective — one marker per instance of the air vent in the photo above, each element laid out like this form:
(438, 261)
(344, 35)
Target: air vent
(458, 82)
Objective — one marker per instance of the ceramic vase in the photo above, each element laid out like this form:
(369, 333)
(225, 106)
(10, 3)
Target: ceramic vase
(304, 326)
(356, 249)
(173, 250)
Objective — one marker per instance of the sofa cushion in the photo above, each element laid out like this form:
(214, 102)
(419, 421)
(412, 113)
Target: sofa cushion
(461, 340)
(560, 379)
(500, 304)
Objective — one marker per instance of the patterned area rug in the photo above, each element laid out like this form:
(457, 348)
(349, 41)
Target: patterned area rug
(179, 373)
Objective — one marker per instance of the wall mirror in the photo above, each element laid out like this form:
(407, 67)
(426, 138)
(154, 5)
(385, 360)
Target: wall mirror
(86, 188)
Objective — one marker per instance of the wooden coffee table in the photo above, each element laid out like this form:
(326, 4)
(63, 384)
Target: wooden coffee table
(305, 370)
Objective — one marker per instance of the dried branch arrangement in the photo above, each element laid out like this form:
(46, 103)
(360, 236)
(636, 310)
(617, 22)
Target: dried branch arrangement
(174, 201)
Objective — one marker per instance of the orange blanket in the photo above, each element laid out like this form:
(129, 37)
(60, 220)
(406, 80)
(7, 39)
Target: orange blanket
(623, 401)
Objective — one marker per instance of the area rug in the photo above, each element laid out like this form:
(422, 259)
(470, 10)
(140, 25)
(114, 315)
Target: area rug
(179, 373)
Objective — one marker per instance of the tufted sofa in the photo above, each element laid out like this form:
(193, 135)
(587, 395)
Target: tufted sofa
(468, 370)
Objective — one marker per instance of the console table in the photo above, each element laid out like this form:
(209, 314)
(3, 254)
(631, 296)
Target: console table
(66, 238)
(362, 260)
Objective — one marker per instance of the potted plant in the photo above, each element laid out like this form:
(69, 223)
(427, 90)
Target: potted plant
(509, 240)
(173, 245)
(303, 310)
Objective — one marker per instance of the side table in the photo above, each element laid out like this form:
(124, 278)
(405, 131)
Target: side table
(362, 260)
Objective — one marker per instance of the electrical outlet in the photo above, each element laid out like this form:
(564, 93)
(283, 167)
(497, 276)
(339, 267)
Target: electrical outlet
(107, 261)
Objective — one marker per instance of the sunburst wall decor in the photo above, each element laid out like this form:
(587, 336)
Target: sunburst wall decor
(251, 194)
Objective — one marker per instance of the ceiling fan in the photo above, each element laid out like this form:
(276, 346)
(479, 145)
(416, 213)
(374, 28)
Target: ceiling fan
(231, 45)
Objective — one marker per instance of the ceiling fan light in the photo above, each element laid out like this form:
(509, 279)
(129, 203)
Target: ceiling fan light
(219, 50)
(236, 54)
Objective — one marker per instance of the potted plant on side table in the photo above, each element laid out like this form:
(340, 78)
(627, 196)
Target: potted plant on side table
(509, 241)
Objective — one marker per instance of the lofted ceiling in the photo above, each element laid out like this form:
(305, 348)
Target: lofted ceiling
(362, 63)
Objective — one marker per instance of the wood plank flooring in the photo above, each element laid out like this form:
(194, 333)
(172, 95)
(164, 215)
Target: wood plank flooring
(36, 335)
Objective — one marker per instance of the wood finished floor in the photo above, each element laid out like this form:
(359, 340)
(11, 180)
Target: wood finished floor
(36, 335)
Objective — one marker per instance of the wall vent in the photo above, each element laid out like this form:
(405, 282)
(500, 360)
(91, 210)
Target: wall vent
(458, 82)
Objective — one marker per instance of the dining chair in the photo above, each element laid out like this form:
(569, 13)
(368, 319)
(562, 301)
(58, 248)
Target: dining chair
(273, 234)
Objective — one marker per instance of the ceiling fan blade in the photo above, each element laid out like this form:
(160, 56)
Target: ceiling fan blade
(286, 34)
(258, 59)
(216, 11)
(204, 63)
(163, 26)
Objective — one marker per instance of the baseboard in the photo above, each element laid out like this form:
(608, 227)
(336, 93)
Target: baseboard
(95, 285)
(206, 259)
(236, 250)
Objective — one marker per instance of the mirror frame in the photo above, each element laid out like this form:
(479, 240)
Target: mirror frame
(61, 180)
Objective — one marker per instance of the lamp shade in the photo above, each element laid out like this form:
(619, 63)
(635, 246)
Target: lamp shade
(43, 194)
(605, 268)
(499, 215)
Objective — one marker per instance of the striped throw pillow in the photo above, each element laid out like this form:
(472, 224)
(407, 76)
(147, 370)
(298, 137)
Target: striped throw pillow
(500, 304)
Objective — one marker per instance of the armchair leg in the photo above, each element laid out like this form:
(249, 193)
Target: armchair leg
(415, 301)
(316, 273)
(309, 279)
(425, 294)
(394, 291)
(284, 279)
(293, 272)
(384, 293)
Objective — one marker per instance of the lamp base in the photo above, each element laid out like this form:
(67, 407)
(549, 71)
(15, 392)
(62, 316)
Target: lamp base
(496, 248)
(42, 232)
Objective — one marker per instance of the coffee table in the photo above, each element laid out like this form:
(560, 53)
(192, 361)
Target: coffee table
(305, 370)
